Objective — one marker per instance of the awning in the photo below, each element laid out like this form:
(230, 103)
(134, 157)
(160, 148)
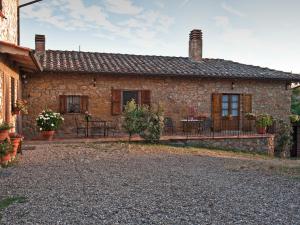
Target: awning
(23, 57)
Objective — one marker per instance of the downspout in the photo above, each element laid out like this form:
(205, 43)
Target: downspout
(18, 15)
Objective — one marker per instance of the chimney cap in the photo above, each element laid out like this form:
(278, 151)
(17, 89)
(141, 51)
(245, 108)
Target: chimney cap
(195, 34)
(40, 37)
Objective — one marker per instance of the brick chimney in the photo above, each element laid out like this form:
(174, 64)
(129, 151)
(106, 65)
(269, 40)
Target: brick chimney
(40, 43)
(195, 45)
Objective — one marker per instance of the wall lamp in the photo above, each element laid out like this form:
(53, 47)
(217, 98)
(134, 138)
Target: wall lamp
(232, 85)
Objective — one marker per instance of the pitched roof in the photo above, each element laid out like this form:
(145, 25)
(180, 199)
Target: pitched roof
(92, 62)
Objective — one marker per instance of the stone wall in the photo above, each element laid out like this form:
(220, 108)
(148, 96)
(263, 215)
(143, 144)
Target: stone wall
(261, 145)
(8, 25)
(176, 95)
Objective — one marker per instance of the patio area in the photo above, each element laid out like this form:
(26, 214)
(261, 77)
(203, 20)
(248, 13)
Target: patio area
(115, 183)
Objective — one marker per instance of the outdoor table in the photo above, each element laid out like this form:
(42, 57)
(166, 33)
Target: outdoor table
(191, 124)
(103, 124)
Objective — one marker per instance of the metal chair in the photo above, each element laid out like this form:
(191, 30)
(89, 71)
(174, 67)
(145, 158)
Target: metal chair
(79, 127)
(169, 125)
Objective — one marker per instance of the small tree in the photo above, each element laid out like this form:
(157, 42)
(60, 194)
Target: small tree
(133, 118)
(283, 138)
(153, 123)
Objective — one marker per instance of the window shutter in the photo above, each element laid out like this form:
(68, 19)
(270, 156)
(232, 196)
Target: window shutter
(146, 97)
(84, 104)
(216, 111)
(247, 108)
(116, 102)
(62, 104)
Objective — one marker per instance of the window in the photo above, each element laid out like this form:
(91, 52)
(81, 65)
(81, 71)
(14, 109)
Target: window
(128, 96)
(119, 99)
(73, 104)
(12, 93)
(230, 105)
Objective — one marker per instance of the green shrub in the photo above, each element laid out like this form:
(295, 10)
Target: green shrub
(133, 117)
(153, 125)
(283, 137)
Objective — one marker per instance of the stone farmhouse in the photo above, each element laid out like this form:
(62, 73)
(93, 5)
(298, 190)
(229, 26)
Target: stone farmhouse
(73, 82)
(14, 61)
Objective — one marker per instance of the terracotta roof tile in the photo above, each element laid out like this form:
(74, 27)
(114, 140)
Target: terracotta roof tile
(91, 62)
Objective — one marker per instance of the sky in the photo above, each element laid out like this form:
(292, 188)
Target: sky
(257, 32)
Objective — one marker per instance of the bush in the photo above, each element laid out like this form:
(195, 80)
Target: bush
(153, 125)
(283, 138)
(133, 117)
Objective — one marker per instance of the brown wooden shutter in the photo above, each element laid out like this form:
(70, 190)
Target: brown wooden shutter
(216, 111)
(146, 97)
(62, 104)
(246, 108)
(84, 103)
(116, 108)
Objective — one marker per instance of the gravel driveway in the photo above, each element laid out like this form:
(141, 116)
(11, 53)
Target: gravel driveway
(121, 184)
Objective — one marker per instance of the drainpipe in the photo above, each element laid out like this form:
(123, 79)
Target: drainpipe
(18, 15)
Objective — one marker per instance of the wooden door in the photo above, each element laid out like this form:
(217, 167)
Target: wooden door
(230, 113)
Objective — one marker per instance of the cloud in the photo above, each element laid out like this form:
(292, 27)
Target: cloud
(123, 7)
(184, 3)
(139, 26)
(232, 10)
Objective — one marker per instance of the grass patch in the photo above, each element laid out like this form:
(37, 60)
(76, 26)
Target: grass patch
(9, 201)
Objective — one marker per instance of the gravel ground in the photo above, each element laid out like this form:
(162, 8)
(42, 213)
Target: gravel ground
(121, 184)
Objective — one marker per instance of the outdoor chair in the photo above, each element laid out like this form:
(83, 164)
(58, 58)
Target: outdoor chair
(79, 126)
(111, 126)
(169, 125)
(205, 126)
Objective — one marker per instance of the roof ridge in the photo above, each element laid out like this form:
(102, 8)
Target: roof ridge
(113, 53)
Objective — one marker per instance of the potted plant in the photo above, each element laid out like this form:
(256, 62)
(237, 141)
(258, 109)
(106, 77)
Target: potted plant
(48, 122)
(5, 151)
(20, 106)
(4, 130)
(262, 122)
(250, 116)
(294, 118)
(15, 140)
(229, 117)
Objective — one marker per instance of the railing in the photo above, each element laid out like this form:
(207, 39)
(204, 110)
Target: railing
(222, 128)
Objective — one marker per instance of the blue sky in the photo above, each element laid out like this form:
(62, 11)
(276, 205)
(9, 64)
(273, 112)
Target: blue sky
(258, 32)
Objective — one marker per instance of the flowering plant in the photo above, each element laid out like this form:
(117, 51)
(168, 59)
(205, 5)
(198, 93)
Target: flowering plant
(87, 116)
(21, 105)
(48, 120)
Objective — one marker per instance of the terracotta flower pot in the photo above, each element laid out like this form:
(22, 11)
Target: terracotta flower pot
(15, 142)
(5, 159)
(48, 135)
(262, 130)
(3, 134)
